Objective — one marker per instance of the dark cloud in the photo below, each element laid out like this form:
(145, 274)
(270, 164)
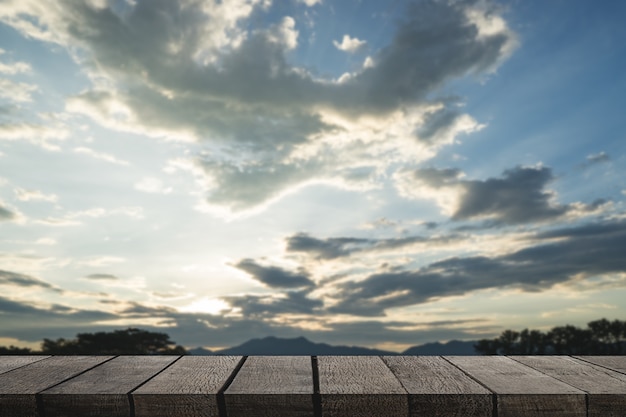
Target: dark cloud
(136, 310)
(437, 123)
(434, 43)
(273, 276)
(582, 251)
(292, 302)
(332, 248)
(32, 322)
(324, 248)
(519, 196)
(108, 277)
(21, 280)
(6, 214)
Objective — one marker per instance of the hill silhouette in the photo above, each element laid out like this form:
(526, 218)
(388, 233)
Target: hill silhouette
(302, 346)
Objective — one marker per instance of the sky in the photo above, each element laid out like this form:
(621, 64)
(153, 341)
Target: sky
(357, 172)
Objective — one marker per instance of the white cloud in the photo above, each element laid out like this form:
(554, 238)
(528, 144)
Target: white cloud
(14, 68)
(57, 222)
(73, 218)
(311, 3)
(152, 185)
(349, 44)
(99, 212)
(34, 195)
(284, 33)
(39, 135)
(47, 241)
(99, 261)
(100, 155)
(16, 92)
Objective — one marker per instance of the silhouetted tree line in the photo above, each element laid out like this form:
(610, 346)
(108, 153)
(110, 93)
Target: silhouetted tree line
(130, 341)
(601, 337)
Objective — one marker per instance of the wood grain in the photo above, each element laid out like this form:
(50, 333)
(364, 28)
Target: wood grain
(188, 388)
(19, 386)
(437, 388)
(272, 386)
(8, 363)
(522, 391)
(103, 390)
(606, 388)
(616, 363)
(360, 386)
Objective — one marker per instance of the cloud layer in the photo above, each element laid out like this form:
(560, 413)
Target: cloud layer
(197, 70)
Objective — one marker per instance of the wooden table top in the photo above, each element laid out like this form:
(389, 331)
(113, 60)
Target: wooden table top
(329, 386)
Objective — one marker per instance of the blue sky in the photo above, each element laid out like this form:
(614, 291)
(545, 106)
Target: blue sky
(358, 172)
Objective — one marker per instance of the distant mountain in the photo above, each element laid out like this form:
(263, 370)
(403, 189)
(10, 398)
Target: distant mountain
(453, 347)
(301, 346)
(297, 346)
(200, 351)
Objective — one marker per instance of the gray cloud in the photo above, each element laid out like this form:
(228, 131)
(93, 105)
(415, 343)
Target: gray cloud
(273, 276)
(434, 43)
(437, 123)
(177, 74)
(6, 214)
(587, 250)
(324, 248)
(519, 196)
(598, 158)
(332, 248)
(595, 159)
(31, 322)
(294, 302)
(22, 280)
(102, 277)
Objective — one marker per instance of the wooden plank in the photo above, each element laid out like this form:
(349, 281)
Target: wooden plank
(103, 390)
(272, 386)
(605, 388)
(360, 386)
(188, 388)
(438, 388)
(522, 391)
(19, 386)
(8, 363)
(616, 363)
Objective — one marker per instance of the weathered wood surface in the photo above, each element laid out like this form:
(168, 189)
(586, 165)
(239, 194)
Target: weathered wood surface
(522, 391)
(272, 386)
(331, 386)
(360, 386)
(616, 363)
(438, 388)
(104, 389)
(606, 389)
(187, 388)
(19, 386)
(8, 363)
